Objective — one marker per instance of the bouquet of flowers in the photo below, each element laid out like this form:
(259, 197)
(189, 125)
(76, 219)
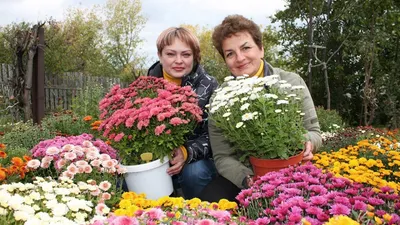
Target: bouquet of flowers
(306, 193)
(261, 116)
(151, 115)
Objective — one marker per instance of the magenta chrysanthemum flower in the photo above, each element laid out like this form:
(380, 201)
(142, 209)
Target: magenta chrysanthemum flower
(359, 205)
(339, 209)
(262, 221)
(295, 218)
(318, 200)
(375, 201)
(342, 200)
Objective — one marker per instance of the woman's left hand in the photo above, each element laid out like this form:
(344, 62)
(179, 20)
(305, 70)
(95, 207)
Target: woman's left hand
(308, 155)
(177, 162)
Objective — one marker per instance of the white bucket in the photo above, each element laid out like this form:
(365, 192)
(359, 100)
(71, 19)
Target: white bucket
(150, 178)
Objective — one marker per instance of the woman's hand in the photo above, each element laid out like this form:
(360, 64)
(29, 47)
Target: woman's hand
(308, 155)
(177, 162)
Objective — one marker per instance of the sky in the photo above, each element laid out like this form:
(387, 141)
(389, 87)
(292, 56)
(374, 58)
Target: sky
(161, 14)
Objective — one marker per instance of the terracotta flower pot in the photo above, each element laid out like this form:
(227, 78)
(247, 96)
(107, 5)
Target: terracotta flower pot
(263, 166)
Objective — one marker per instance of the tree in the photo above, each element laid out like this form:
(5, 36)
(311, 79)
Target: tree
(74, 45)
(123, 24)
(352, 39)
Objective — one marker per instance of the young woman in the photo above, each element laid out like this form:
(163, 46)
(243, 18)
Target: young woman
(179, 53)
(239, 41)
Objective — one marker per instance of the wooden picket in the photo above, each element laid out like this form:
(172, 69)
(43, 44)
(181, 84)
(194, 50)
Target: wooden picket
(59, 89)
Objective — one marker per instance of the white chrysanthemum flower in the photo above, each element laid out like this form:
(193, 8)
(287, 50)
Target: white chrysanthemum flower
(247, 116)
(278, 110)
(228, 78)
(80, 217)
(285, 86)
(226, 114)
(244, 106)
(60, 209)
(35, 195)
(254, 96)
(238, 125)
(302, 114)
(16, 201)
(51, 203)
(21, 215)
(49, 196)
(298, 87)
(257, 89)
(28, 200)
(62, 191)
(279, 102)
(291, 95)
(268, 95)
(3, 211)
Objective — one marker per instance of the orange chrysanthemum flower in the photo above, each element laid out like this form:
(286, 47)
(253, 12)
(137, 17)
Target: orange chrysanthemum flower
(2, 146)
(108, 142)
(87, 118)
(96, 123)
(2, 175)
(3, 154)
(27, 158)
(17, 161)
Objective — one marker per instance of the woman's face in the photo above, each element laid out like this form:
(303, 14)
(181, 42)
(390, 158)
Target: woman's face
(242, 55)
(177, 59)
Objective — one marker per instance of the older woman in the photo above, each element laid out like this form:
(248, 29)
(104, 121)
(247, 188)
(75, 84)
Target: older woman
(239, 41)
(179, 53)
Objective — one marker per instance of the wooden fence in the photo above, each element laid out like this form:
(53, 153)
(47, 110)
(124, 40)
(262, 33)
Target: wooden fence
(59, 89)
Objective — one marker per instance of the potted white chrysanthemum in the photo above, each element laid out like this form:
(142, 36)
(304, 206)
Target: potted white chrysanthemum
(262, 118)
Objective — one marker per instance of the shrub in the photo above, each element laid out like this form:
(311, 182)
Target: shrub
(329, 120)
(65, 123)
(350, 136)
(87, 102)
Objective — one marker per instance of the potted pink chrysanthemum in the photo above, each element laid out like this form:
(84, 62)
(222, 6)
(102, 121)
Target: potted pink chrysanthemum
(149, 117)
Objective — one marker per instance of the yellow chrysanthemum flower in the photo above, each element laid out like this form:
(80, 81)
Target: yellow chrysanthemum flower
(341, 220)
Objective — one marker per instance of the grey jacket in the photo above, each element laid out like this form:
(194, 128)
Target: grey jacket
(225, 158)
(198, 144)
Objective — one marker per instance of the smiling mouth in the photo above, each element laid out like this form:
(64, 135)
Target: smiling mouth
(243, 66)
(178, 68)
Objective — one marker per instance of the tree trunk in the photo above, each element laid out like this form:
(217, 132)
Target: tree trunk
(310, 48)
(32, 46)
(328, 92)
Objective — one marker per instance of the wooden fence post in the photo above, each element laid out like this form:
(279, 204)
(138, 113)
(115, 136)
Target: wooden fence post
(38, 94)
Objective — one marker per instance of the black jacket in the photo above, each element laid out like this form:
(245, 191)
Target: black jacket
(198, 144)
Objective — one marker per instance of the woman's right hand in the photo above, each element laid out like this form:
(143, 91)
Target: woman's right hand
(177, 162)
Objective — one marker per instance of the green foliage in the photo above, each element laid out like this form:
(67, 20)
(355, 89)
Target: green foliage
(25, 135)
(65, 123)
(122, 26)
(359, 38)
(329, 120)
(349, 136)
(87, 101)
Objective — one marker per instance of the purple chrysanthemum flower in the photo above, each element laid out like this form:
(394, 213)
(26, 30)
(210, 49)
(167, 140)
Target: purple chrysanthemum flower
(339, 209)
